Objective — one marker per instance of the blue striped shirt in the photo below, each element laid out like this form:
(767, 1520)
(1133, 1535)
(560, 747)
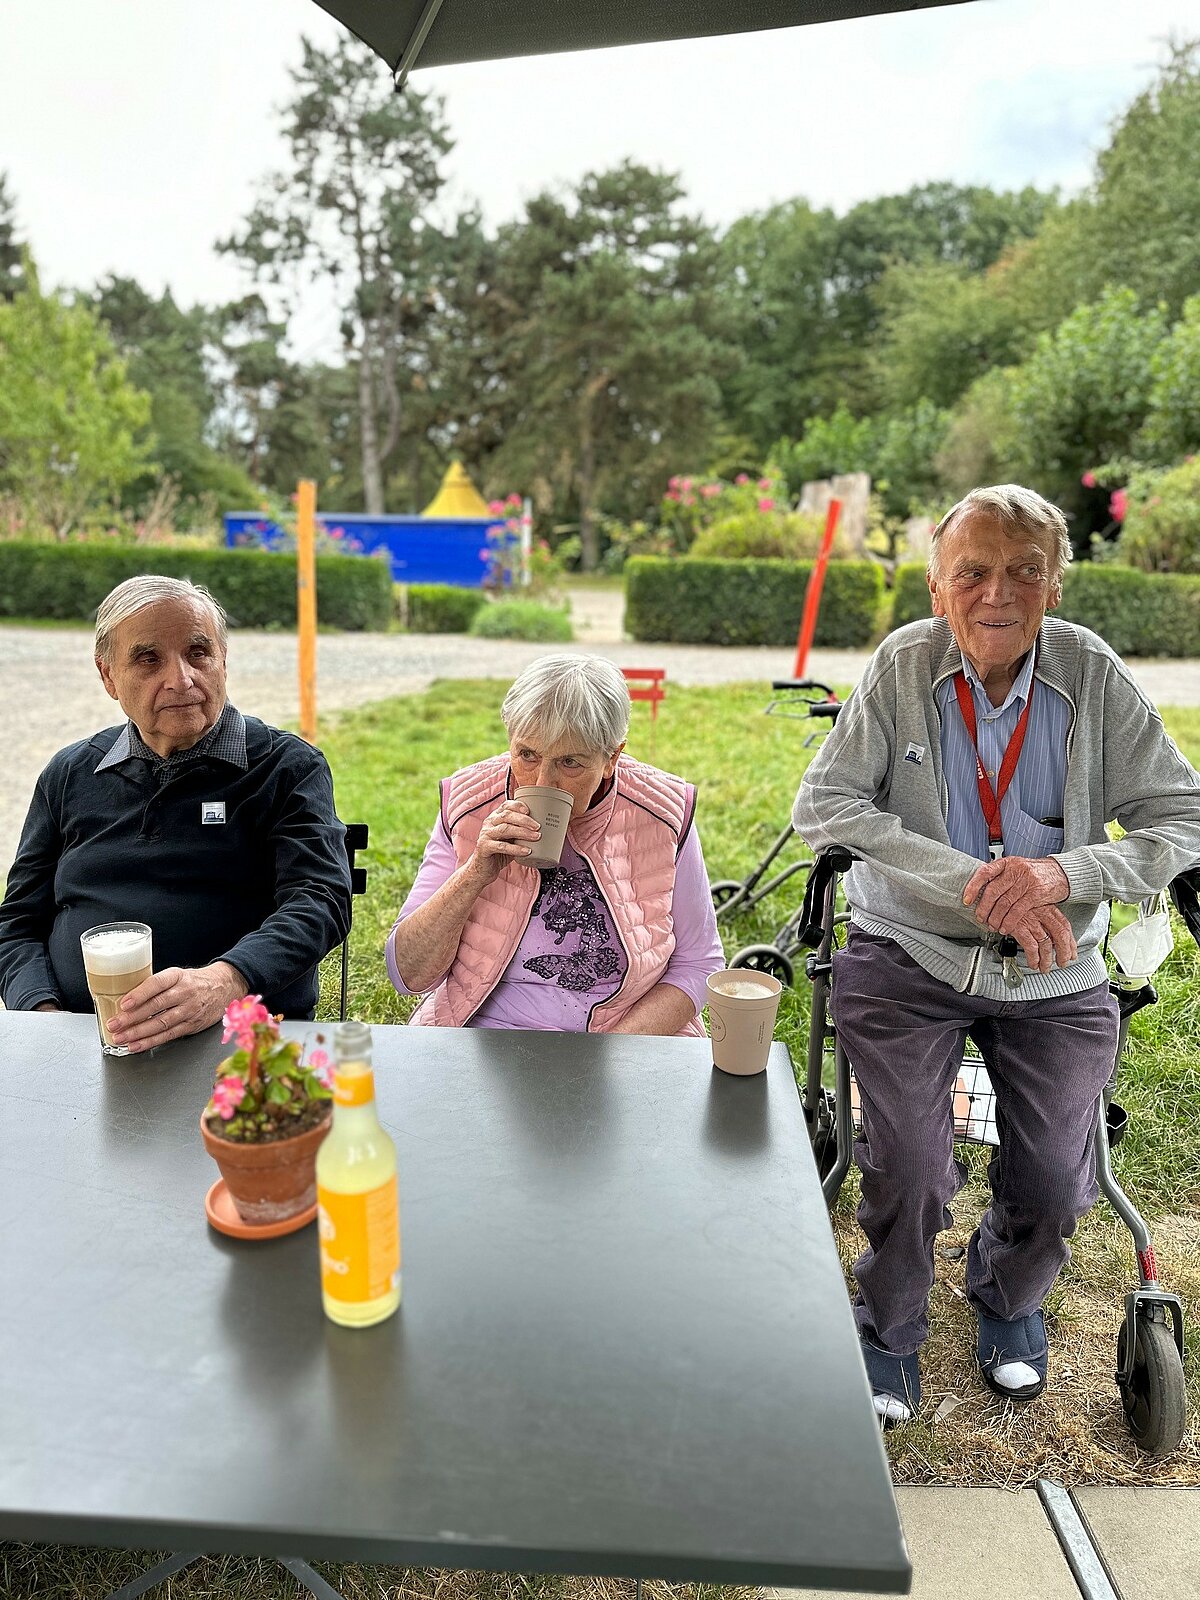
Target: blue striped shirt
(1036, 791)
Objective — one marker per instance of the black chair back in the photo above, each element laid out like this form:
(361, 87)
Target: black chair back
(356, 839)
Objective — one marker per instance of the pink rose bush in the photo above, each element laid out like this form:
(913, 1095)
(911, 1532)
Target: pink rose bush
(266, 1087)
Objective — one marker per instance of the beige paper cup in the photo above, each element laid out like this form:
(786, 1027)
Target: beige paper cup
(742, 1024)
(551, 808)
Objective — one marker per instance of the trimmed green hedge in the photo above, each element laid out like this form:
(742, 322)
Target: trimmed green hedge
(442, 607)
(910, 594)
(691, 601)
(256, 587)
(1137, 613)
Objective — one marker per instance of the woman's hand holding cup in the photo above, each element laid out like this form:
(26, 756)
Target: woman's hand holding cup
(509, 834)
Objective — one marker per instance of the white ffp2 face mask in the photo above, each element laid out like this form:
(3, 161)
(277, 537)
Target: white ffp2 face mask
(1142, 947)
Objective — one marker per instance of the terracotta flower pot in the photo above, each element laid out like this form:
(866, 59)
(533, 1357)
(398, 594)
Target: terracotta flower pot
(269, 1182)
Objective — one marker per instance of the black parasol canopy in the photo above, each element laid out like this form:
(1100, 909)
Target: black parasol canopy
(441, 33)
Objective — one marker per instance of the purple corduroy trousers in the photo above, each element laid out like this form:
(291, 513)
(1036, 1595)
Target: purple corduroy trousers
(1049, 1060)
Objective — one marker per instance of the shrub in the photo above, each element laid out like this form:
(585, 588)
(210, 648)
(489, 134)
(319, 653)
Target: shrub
(1161, 531)
(910, 594)
(257, 588)
(441, 607)
(1137, 613)
(523, 619)
(748, 602)
(761, 536)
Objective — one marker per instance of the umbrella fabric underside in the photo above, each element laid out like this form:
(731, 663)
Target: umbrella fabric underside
(484, 30)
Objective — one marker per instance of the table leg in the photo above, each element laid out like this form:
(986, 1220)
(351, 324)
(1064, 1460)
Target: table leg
(300, 1570)
(156, 1575)
(312, 1581)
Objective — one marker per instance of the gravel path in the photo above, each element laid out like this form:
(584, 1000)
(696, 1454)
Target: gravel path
(51, 693)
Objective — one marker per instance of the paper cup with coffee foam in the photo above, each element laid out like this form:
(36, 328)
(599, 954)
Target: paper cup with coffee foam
(742, 1006)
(117, 956)
(551, 810)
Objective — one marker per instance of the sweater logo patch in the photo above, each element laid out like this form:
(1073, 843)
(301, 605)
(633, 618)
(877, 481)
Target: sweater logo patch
(915, 753)
(212, 811)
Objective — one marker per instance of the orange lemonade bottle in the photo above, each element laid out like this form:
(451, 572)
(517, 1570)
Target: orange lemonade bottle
(358, 1208)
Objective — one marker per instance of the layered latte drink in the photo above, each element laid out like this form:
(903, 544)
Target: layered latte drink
(117, 956)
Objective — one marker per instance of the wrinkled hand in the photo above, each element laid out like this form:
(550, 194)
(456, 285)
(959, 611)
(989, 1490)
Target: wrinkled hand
(1045, 936)
(175, 1002)
(1005, 890)
(507, 835)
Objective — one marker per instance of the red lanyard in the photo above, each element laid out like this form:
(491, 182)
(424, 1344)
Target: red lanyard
(989, 800)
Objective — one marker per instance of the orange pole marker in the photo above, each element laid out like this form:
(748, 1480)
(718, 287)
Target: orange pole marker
(812, 595)
(306, 604)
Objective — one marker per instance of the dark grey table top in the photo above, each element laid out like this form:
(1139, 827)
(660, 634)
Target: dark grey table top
(624, 1347)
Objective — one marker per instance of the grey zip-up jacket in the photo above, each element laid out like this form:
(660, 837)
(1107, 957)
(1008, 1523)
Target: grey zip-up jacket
(1122, 765)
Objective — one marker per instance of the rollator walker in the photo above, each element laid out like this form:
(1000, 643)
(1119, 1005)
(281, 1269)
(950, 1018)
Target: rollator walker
(1149, 1371)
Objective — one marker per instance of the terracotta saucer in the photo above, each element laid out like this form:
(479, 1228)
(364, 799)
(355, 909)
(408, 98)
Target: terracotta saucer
(223, 1214)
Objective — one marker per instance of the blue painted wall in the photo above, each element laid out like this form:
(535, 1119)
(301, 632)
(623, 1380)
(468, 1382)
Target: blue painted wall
(421, 549)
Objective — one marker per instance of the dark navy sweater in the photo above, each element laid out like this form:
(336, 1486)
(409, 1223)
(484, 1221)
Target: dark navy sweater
(267, 889)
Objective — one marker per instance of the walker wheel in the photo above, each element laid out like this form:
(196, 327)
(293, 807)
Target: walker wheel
(724, 891)
(765, 958)
(1155, 1398)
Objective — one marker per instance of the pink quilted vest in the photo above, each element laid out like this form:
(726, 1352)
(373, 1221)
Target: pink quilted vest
(630, 840)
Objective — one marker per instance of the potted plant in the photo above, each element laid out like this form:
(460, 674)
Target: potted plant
(270, 1109)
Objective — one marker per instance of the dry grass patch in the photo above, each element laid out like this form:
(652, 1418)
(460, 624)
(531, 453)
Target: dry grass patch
(62, 1572)
(1075, 1432)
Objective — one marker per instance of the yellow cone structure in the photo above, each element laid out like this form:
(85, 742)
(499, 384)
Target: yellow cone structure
(458, 497)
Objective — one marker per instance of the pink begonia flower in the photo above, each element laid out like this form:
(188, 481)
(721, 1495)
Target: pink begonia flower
(766, 504)
(495, 507)
(671, 494)
(228, 1095)
(673, 483)
(710, 489)
(320, 1064)
(685, 484)
(764, 483)
(241, 1018)
(741, 478)
(1088, 480)
(1118, 504)
(513, 500)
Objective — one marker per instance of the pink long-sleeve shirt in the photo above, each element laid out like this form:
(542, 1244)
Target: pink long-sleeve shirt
(570, 958)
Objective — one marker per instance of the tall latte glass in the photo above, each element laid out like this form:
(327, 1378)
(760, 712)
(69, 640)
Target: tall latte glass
(117, 956)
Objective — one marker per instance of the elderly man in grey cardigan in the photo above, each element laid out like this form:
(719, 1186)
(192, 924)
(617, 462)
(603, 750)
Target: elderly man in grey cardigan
(972, 773)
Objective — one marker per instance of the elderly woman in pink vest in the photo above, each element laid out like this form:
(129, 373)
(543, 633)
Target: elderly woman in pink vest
(620, 937)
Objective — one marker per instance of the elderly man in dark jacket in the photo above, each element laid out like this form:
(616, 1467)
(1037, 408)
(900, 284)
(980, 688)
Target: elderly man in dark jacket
(215, 829)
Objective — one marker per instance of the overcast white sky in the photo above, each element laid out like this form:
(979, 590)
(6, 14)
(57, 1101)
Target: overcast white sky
(134, 131)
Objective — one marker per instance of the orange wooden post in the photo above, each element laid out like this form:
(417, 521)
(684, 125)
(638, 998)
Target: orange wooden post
(306, 604)
(812, 595)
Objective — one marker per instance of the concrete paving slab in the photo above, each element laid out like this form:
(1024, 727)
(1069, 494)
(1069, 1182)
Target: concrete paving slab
(1150, 1539)
(968, 1543)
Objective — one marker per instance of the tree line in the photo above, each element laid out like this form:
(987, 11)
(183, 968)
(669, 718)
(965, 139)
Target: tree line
(609, 338)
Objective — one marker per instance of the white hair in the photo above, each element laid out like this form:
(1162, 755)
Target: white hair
(1018, 511)
(564, 697)
(149, 589)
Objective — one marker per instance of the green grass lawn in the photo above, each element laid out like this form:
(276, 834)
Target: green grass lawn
(387, 759)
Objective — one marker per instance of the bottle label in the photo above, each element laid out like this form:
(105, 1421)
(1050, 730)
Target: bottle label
(360, 1242)
(353, 1086)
